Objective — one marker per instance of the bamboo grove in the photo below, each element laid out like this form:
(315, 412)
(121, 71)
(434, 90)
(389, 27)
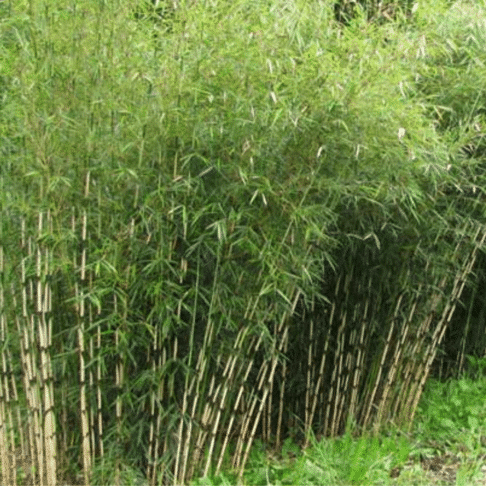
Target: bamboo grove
(195, 257)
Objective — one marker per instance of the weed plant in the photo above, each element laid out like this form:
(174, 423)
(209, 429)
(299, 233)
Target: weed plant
(453, 413)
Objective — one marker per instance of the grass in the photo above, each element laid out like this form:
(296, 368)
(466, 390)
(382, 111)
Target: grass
(446, 444)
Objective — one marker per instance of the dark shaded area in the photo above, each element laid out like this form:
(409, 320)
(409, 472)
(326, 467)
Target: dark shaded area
(377, 11)
(161, 13)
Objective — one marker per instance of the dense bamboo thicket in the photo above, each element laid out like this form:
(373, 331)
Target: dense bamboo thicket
(199, 248)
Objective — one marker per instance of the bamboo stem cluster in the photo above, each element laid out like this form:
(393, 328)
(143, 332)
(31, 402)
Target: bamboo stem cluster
(208, 389)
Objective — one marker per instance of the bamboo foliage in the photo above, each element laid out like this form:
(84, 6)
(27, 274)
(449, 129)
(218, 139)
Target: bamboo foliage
(194, 257)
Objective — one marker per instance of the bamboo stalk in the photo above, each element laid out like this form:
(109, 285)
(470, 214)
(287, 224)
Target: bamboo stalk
(281, 405)
(15, 425)
(92, 412)
(153, 441)
(8, 466)
(358, 369)
(81, 313)
(41, 452)
(31, 373)
(119, 379)
(45, 341)
(99, 402)
(5, 453)
(26, 444)
(177, 472)
(310, 391)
